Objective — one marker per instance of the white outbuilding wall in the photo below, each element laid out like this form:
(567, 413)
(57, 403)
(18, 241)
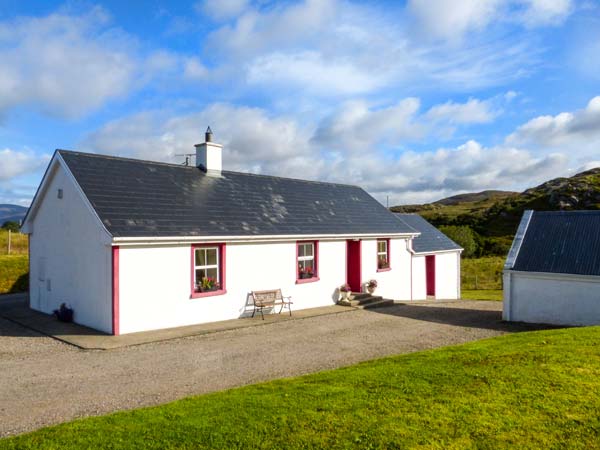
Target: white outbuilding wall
(154, 281)
(447, 276)
(70, 256)
(551, 298)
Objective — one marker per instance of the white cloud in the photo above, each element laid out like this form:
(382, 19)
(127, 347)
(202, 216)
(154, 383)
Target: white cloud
(253, 140)
(342, 149)
(568, 130)
(193, 69)
(14, 163)
(546, 12)
(355, 126)
(61, 64)
(450, 19)
(222, 9)
(340, 48)
(473, 111)
(311, 70)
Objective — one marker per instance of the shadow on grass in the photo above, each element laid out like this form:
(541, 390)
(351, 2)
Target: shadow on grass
(461, 317)
(21, 284)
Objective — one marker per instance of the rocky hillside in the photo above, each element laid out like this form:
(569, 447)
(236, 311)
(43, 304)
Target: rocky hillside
(495, 215)
(13, 213)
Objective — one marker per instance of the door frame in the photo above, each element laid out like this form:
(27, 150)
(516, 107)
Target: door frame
(351, 256)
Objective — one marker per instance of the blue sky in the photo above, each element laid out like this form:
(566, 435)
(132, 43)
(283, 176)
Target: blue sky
(413, 100)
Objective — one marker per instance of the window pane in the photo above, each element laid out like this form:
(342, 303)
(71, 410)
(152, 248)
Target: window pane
(200, 257)
(212, 273)
(211, 256)
(301, 250)
(200, 273)
(381, 246)
(309, 249)
(308, 264)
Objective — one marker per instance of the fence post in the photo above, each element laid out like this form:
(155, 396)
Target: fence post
(9, 241)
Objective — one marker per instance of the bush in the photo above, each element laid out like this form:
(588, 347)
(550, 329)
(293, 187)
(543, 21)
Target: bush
(463, 236)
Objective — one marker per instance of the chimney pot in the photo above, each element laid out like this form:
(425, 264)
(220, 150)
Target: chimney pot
(208, 135)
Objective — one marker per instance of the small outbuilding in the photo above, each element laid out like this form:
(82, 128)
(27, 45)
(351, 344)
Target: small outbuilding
(435, 262)
(552, 273)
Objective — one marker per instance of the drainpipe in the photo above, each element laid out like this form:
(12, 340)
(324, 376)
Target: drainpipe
(410, 250)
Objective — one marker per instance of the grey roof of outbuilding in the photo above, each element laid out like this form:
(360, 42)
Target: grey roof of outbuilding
(136, 198)
(561, 242)
(431, 239)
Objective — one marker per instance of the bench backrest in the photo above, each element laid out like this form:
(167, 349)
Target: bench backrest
(266, 298)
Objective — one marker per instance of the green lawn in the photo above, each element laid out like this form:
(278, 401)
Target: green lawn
(482, 294)
(527, 390)
(14, 270)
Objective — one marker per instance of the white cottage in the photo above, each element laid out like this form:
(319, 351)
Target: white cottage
(137, 245)
(552, 273)
(435, 263)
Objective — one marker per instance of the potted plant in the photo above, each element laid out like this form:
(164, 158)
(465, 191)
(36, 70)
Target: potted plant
(307, 272)
(371, 286)
(64, 313)
(208, 284)
(383, 263)
(345, 292)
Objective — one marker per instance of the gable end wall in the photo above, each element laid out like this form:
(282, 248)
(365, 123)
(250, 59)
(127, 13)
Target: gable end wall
(70, 256)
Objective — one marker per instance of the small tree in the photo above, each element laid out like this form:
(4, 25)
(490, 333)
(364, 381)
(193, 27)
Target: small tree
(11, 225)
(463, 236)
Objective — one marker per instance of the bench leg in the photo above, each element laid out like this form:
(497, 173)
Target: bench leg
(262, 314)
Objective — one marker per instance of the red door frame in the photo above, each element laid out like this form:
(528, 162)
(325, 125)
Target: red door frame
(430, 274)
(353, 265)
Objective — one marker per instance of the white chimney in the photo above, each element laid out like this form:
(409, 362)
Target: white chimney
(209, 155)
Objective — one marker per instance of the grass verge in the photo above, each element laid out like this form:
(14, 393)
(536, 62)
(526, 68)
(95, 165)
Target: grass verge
(482, 273)
(14, 273)
(18, 243)
(526, 390)
(482, 294)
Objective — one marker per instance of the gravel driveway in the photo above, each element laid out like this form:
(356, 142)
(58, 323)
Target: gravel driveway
(44, 382)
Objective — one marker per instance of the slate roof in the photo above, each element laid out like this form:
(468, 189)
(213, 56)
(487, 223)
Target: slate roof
(561, 242)
(431, 239)
(136, 198)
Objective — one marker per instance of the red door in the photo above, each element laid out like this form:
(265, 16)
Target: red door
(353, 274)
(430, 274)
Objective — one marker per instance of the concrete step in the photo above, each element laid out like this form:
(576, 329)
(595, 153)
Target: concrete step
(378, 304)
(359, 295)
(365, 300)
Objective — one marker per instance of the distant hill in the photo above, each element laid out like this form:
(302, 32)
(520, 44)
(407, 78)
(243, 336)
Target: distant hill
(495, 215)
(12, 213)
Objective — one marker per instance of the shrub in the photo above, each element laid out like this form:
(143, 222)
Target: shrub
(463, 236)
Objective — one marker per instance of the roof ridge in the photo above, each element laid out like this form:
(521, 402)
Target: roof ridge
(147, 161)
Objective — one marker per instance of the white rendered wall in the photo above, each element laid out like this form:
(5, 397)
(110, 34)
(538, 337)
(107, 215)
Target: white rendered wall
(447, 266)
(419, 278)
(395, 283)
(68, 240)
(155, 282)
(553, 299)
(447, 276)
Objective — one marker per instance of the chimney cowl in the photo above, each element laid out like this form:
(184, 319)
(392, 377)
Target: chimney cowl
(208, 135)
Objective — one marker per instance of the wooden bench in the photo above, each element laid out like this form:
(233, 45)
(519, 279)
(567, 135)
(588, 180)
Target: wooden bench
(270, 299)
